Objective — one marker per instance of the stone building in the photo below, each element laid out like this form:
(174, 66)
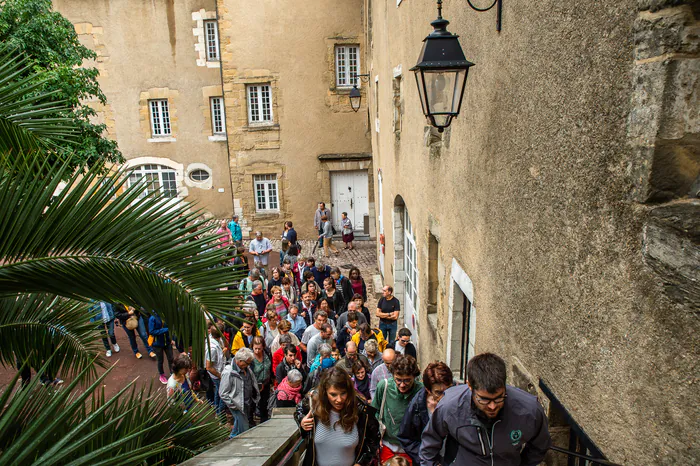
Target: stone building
(556, 221)
(161, 92)
(240, 110)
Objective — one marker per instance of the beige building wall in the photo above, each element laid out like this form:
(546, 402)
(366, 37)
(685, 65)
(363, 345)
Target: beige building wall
(562, 203)
(154, 50)
(290, 46)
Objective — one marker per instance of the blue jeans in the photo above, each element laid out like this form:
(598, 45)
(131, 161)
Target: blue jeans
(320, 240)
(240, 423)
(218, 402)
(142, 333)
(389, 330)
(110, 332)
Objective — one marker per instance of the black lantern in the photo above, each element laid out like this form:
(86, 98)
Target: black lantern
(355, 94)
(355, 98)
(441, 74)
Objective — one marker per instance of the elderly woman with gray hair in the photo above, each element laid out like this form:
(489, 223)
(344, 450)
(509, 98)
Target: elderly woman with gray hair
(239, 389)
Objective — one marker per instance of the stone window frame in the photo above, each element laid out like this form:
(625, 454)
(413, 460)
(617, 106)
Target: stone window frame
(204, 184)
(208, 92)
(241, 120)
(159, 114)
(358, 65)
(158, 93)
(332, 43)
(199, 32)
(249, 106)
(247, 194)
(182, 191)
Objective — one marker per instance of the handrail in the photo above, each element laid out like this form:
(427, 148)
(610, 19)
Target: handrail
(585, 457)
(291, 452)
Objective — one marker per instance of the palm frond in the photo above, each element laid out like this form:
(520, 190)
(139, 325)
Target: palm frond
(91, 243)
(47, 426)
(30, 120)
(35, 327)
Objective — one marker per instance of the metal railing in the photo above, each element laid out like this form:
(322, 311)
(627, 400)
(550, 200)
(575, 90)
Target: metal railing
(573, 454)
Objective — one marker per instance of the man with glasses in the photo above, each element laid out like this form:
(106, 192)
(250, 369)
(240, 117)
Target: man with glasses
(391, 402)
(486, 420)
(403, 344)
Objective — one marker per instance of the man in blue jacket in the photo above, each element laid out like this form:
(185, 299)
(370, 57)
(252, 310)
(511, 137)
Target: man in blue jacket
(235, 229)
(486, 422)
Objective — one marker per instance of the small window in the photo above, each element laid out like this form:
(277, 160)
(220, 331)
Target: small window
(159, 178)
(266, 198)
(218, 117)
(160, 117)
(259, 104)
(212, 40)
(199, 175)
(347, 65)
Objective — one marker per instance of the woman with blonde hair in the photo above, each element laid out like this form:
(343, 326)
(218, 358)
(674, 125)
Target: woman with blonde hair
(339, 427)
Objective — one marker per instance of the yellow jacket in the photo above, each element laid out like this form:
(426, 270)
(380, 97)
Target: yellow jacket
(381, 342)
(238, 341)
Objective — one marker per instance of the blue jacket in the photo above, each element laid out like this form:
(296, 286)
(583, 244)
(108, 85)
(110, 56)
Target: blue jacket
(96, 311)
(518, 437)
(159, 332)
(235, 230)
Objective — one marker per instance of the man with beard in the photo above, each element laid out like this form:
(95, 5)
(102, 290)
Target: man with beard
(486, 422)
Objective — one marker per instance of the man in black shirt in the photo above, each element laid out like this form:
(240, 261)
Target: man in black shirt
(388, 309)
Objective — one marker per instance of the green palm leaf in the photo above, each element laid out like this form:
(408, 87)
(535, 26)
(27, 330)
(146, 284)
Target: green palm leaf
(90, 243)
(29, 119)
(44, 426)
(35, 327)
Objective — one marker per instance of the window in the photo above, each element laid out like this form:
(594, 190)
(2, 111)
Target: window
(347, 65)
(160, 117)
(212, 40)
(199, 175)
(410, 265)
(159, 178)
(266, 193)
(259, 104)
(218, 118)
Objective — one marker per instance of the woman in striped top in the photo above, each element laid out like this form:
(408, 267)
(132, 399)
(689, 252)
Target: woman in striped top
(340, 428)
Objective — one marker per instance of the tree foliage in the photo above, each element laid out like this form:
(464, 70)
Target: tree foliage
(49, 41)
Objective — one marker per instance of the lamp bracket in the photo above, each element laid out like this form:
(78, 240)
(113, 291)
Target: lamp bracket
(499, 11)
(363, 77)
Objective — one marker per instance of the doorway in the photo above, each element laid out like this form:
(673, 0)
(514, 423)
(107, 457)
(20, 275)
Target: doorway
(350, 193)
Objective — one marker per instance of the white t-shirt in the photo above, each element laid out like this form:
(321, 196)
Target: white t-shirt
(216, 356)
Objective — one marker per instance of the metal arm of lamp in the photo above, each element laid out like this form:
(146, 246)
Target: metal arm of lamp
(499, 10)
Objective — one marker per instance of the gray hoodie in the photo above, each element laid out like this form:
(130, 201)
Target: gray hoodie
(518, 437)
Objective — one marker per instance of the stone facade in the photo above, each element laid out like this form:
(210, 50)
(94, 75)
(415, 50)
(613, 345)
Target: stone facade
(153, 50)
(291, 48)
(555, 221)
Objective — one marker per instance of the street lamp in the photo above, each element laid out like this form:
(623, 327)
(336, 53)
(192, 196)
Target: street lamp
(441, 74)
(355, 95)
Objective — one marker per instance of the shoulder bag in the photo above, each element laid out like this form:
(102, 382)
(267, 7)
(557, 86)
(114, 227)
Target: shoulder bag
(382, 426)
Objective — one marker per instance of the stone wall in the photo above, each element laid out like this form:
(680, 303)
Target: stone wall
(564, 196)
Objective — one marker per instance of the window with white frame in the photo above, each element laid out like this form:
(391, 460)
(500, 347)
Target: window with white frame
(211, 31)
(259, 103)
(410, 264)
(160, 117)
(218, 117)
(266, 198)
(159, 179)
(347, 65)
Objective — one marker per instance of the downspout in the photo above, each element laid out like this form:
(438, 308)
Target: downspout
(223, 93)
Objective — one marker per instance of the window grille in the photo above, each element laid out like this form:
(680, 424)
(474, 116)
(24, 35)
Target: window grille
(218, 117)
(266, 198)
(347, 65)
(259, 104)
(159, 179)
(212, 40)
(160, 117)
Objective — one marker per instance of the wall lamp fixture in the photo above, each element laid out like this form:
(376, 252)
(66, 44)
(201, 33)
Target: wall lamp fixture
(355, 95)
(499, 10)
(441, 74)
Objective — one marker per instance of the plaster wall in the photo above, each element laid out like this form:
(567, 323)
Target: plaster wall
(146, 50)
(534, 193)
(290, 45)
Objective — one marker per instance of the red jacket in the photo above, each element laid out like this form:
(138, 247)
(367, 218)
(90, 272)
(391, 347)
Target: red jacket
(279, 356)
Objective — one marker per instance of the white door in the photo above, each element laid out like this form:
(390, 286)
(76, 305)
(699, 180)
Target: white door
(349, 193)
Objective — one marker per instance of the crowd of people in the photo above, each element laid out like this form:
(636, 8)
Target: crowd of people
(305, 339)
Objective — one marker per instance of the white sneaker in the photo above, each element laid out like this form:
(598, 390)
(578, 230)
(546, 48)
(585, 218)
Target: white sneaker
(116, 348)
(109, 353)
